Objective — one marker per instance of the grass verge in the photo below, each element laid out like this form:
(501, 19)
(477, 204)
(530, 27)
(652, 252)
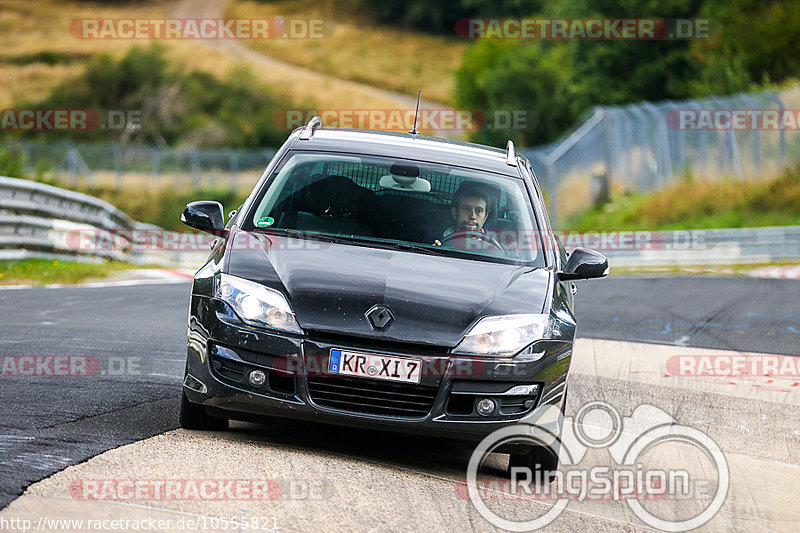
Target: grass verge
(694, 270)
(690, 205)
(44, 271)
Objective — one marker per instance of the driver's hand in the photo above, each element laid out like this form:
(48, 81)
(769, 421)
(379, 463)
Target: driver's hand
(437, 242)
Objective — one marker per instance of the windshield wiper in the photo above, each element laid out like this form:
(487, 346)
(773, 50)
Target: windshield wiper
(353, 239)
(326, 237)
(407, 246)
(298, 234)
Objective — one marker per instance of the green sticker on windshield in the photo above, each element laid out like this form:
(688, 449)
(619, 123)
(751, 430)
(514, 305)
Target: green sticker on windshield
(264, 222)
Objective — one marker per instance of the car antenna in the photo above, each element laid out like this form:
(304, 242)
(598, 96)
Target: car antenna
(414, 130)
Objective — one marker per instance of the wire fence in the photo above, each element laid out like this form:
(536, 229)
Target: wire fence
(639, 147)
(647, 146)
(113, 164)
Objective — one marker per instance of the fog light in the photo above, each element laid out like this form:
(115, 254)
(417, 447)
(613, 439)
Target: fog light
(257, 378)
(486, 406)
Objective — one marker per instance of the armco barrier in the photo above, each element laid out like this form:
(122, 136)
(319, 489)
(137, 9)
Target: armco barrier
(713, 247)
(36, 220)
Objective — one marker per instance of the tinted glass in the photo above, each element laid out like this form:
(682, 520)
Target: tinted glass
(439, 208)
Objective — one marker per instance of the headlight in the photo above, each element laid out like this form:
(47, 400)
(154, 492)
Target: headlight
(504, 335)
(256, 304)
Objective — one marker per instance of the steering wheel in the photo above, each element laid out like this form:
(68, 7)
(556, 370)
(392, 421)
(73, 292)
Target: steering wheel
(485, 237)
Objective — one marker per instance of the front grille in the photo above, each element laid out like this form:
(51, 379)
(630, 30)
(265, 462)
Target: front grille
(371, 396)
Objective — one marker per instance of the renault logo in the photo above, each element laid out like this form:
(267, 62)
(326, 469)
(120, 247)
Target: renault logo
(380, 317)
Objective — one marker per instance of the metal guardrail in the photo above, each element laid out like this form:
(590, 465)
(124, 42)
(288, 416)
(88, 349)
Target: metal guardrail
(704, 247)
(39, 220)
(38, 199)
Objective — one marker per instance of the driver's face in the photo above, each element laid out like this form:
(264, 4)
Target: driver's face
(471, 213)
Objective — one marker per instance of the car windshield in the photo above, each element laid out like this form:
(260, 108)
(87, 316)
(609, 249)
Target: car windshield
(419, 206)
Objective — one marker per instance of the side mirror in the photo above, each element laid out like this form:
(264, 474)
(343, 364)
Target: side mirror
(204, 215)
(584, 264)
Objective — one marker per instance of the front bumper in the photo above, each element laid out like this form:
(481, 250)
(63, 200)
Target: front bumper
(222, 352)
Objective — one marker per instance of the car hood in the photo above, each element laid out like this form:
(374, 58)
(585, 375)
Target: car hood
(434, 299)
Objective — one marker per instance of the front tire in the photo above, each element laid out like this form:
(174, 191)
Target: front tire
(542, 459)
(538, 459)
(194, 416)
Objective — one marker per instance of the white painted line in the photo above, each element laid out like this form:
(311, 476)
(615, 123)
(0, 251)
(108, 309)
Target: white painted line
(153, 277)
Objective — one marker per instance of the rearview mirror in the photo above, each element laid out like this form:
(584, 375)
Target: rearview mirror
(205, 216)
(584, 264)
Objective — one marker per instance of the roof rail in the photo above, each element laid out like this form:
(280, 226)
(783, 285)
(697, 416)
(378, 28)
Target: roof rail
(308, 131)
(511, 154)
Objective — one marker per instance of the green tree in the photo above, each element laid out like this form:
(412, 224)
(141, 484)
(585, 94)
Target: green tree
(175, 107)
(512, 76)
(441, 16)
(756, 43)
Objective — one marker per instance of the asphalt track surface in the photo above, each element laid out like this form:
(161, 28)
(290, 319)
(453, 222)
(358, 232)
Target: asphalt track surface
(137, 334)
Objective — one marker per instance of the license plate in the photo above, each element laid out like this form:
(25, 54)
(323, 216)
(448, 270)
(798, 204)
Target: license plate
(367, 365)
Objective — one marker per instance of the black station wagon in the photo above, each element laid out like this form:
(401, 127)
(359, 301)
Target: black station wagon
(383, 280)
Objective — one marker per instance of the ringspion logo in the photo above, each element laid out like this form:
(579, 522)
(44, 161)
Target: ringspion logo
(635, 444)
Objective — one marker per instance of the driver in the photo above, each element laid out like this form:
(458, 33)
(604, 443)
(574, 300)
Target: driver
(470, 209)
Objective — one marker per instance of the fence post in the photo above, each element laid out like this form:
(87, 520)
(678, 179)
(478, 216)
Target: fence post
(155, 163)
(627, 149)
(233, 163)
(608, 125)
(552, 191)
(702, 149)
(676, 150)
(756, 139)
(194, 158)
(117, 149)
(74, 163)
(661, 148)
(781, 131)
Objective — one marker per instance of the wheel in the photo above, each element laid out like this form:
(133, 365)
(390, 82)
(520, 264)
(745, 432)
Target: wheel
(538, 459)
(541, 458)
(194, 416)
